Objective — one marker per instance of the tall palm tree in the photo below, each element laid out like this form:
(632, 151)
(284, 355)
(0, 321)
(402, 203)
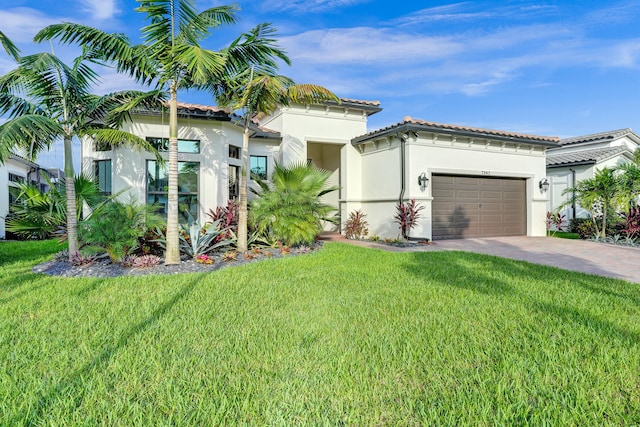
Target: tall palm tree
(259, 93)
(46, 100)
(598, 195)
(172, 58)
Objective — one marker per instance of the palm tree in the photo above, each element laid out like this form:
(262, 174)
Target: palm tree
(629, 182)
(46, 100)
(598, 195)
(260, 94)
(172, 57)
(289, 207)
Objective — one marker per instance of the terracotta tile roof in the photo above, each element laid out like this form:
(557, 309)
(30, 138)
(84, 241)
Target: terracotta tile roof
(602, 136)
(359, 101)
(434, 127)
(584, 156)
(201, 107)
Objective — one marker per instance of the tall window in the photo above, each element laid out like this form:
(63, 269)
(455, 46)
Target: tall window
(258, 166)
(102, 170)
(16, 178)
(157, 188)
(184, 145)
(234, 182)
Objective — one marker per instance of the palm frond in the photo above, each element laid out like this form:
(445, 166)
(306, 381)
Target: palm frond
(30, 130)
(102, 46)
(191, 32)
(117, 138)
(257, 48)
(11, 49)
(201, 65)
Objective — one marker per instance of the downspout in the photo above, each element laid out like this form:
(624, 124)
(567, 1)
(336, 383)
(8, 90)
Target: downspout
(403, 139)
(403, 166)
(573, 193)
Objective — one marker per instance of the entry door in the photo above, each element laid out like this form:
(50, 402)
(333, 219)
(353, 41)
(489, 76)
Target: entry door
(468, 207)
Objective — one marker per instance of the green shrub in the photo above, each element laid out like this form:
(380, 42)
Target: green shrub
(289, 208)
(117, 228)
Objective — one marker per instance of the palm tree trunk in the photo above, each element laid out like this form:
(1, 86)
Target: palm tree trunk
(243, 211)
(172, 252)
(72, 211)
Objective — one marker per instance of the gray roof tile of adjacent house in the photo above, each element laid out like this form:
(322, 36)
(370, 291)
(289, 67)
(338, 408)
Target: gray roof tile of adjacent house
(596, 137)
(410, 123)
(583, 157)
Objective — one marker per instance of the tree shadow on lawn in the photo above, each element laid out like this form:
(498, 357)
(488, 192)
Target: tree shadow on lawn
(465, 271)
(73, 381)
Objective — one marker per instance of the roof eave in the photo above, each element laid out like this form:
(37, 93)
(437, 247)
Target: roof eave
(416, 127)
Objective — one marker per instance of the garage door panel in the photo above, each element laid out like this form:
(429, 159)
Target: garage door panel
(468, 207)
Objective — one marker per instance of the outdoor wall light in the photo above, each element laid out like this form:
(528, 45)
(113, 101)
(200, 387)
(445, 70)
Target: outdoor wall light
(423, 181)
(544, 185)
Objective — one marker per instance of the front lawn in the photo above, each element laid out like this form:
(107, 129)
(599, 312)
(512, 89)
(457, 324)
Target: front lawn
(343, 336)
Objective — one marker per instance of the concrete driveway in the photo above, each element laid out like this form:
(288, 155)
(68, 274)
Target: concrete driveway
(602, 259)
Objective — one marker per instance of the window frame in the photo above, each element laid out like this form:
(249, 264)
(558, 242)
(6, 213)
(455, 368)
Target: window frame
(265, 174)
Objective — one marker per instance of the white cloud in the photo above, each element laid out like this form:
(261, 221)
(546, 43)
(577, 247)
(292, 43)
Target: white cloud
(366, 45)
(308, 6)
(20, 24)
(101, 9)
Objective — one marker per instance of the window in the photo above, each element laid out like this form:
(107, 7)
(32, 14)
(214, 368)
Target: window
(184, 145)
(157, 188)
(234, 152)
(234, 182)
(102, 170)
(258, 166)
(16, 178)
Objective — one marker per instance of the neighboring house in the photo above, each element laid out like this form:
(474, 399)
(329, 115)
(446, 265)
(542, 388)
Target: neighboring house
(578, 158)
(14, 171)
(480, 182)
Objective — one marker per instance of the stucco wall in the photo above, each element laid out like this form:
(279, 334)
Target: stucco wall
(129, 166)
(10, 166)
(444, 155)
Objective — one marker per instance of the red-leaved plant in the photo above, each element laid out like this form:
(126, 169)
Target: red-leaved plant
(407, 215)
(631, 222)
(356, 226)
(228, 217)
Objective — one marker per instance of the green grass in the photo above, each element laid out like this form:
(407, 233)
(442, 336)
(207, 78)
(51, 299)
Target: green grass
(344, 336)
(564, 235)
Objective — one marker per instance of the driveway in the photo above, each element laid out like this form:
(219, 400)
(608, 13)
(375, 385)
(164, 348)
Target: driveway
(619, 262)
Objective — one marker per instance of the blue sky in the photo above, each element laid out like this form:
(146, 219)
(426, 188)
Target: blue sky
(556, 68)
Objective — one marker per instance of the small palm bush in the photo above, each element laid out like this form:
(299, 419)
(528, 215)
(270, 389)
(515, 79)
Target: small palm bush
(290, 207)
(39, 215)
(117, 228)
(407, 215)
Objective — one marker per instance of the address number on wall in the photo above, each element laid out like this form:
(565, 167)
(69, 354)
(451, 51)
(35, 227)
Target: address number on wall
(485, 172)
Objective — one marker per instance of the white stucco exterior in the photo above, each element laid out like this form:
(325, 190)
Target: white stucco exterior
(366, 167)
(578, 158)
(441, 153)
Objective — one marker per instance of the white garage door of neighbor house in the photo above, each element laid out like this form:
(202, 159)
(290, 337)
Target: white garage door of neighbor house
(466, 207)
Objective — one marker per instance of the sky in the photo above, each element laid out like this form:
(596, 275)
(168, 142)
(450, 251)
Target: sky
(554, 68)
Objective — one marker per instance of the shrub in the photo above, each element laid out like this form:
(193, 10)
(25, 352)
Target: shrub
(230, 256)
(630, 224)
(555, 222)
(407, 215)
(117, 228)
(356, 226)
(204, 259)
(289, 207)
(79, 258)
(227, 219)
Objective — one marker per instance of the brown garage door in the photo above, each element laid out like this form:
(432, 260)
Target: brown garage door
(467, 207)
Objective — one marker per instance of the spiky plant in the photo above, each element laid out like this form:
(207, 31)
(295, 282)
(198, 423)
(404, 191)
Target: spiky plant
(289, 208)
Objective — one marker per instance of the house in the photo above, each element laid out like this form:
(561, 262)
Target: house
(14, 171)
(473, 182)
(578, 158)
